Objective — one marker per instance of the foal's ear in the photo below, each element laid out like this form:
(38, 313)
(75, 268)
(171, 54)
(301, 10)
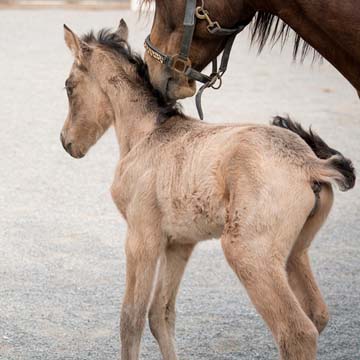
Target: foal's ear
(76, 46)
(123, 30)
(72, 41)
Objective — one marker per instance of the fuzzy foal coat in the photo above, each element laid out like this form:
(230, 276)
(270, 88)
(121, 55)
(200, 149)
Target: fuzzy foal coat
(187, 173)
(185, 181)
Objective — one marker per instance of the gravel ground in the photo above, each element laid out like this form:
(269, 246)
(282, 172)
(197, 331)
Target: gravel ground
(62, 264)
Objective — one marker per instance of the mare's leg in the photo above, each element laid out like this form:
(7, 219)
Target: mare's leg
(300, 276)
(257, 240)
(162, 310)
(142, 255)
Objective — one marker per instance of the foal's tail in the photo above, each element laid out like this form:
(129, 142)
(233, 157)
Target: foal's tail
(333, 167)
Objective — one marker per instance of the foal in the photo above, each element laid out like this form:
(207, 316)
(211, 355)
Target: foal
(262, 189)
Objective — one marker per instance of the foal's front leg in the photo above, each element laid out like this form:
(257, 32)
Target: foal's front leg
(142, 254)
(162, 310)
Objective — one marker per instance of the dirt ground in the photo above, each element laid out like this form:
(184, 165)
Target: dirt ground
(62, 266)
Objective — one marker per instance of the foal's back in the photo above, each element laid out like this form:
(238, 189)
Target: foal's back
(192, 167)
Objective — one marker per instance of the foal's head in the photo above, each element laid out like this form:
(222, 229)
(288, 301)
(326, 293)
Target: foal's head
(90, 112)
(166, 35)
(104, 66)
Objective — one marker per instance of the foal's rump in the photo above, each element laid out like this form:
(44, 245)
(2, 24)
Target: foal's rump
(275, 169)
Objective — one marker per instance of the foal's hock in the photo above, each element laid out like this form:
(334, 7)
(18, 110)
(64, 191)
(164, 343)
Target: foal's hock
(265, 190)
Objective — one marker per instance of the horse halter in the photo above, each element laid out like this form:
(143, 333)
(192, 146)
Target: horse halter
(181, 62)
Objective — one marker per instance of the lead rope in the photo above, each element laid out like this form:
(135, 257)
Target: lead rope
(214, 27)
(215, 81)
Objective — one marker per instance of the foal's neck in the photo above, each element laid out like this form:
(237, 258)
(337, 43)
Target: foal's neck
(134, 116)
(133, 121)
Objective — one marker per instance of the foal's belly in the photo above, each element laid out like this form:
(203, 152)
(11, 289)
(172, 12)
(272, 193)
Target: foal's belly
(193, 221)
(188, 231)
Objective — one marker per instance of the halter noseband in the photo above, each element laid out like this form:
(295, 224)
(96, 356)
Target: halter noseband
(181, 62)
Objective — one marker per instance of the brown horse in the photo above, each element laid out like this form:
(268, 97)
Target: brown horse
(264, 190)
(331, 27)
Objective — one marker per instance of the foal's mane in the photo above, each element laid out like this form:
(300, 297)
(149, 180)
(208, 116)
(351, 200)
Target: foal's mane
(268, 28)
(112, 42)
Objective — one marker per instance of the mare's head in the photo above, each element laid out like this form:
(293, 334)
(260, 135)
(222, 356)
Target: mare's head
(166, 35)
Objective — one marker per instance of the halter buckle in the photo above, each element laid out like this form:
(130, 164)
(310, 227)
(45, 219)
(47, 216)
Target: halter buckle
(202, 14)
(215, 80)
(180, 64)
(213, 27)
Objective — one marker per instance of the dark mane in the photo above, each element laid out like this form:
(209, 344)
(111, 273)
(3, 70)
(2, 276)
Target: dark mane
(112, 42)
(267, 28)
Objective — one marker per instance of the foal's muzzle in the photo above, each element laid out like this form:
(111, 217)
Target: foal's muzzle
(176, 88)
(68, 146)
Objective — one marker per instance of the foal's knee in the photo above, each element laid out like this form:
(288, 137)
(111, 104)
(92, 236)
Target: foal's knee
(161, 317)
(321, 319)
(132, 321)
(155, 322)
(299, 344)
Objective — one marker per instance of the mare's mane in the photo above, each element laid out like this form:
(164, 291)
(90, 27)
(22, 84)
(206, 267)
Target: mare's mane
(268, 28)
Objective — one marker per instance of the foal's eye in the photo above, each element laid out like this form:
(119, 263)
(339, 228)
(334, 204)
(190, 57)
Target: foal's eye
(69, 87)
(69, 90)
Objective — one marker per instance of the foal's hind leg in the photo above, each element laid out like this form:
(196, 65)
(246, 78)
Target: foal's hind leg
(162, 310)
(300, 276)
(256, 243)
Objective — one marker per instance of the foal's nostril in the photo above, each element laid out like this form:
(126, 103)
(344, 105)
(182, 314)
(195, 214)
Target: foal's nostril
(68, 147)
(62, 140)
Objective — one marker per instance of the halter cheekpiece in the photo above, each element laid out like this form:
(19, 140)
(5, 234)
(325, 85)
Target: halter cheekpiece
(181, 62)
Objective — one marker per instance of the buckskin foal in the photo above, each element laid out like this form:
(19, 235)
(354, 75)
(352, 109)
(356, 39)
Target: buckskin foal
(262, 189)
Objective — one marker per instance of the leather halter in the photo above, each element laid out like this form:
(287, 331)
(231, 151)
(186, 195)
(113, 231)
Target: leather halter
(181, 62)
